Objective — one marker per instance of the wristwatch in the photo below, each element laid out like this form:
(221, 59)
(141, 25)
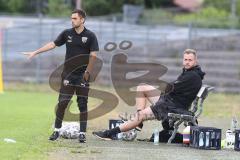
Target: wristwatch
(86, 71)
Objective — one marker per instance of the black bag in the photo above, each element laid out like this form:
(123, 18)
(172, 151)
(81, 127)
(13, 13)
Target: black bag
(164, 135)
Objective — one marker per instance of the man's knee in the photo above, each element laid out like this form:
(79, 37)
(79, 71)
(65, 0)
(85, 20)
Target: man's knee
(145, 114)
(141, 87)
(82, 103)
(61, 107)
(64, 97)
(63, 103)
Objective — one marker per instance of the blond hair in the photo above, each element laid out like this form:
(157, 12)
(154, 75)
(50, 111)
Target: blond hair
(190, 51)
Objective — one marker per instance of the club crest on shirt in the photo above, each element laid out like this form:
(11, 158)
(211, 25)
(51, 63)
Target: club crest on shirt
(84, 39)
(69, 39)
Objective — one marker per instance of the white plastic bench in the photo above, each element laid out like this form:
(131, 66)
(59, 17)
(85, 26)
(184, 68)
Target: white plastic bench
(190, 117)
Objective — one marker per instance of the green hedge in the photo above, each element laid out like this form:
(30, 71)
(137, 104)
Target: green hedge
(156, 16)
(104, 7)
(209, 17)
(15, 6)
(223, 5)
(57, 8)
(96, 8)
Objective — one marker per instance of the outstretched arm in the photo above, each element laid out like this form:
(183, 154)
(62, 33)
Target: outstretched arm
(47, 47)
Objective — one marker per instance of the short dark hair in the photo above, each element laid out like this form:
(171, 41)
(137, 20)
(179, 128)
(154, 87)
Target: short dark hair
(80, 12)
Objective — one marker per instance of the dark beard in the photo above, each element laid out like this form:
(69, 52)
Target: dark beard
(75, 26)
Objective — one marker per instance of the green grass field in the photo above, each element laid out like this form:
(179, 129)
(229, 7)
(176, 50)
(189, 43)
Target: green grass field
(27, 117)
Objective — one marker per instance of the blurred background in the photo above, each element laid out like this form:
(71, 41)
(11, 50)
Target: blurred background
(159, 29)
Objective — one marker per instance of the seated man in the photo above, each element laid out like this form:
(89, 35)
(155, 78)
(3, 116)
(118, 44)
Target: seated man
(179, 100)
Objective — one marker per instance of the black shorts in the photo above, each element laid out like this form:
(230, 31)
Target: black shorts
(164, 106)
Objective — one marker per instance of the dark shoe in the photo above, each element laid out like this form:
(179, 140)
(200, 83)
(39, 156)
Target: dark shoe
(82, 137)
(104, 135)
(55, 135)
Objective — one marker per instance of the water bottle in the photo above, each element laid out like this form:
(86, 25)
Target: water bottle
(156, 137)
(239, 141)
(213, 139)
(230, 139)
(207, 139)
(234, 124)
(186, 135)
(218, 139)
(112, 126)
(201, 139)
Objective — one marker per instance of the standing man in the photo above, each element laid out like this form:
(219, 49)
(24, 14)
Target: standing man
(79, 41)
(179, 100)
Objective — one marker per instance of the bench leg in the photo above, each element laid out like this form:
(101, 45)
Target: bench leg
(176, 126)
(193, 122)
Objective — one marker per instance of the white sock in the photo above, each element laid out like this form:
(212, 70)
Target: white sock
(82, 133)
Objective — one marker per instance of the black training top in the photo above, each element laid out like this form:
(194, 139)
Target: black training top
(77, 46)
(186, 87)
